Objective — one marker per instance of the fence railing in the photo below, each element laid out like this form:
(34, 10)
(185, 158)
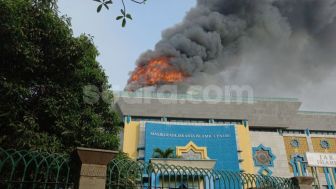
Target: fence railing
(34, 170)
(20, 169)
(124, 174)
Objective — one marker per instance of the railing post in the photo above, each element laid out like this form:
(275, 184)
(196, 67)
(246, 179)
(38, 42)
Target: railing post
(303, 182)
(92, 167)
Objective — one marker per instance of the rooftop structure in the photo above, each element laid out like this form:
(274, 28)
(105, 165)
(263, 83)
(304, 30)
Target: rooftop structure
(267, 113)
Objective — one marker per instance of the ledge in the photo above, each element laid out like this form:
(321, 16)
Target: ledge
(95, 156)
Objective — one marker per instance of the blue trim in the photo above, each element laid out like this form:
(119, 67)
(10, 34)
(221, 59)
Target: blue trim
(333, 170)
(326, 173)
(294, 162)
(328, 177)
(307, 131)
(245, 123)
(128, 119)
(263, 148)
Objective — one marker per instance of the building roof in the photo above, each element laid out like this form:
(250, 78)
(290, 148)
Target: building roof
(260, 112)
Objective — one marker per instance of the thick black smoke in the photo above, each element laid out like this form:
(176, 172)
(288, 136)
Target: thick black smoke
(279, 47)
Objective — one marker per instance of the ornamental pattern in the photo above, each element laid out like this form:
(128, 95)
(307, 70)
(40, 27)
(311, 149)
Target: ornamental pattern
(295, 143)
(263, 158)
(325, 144)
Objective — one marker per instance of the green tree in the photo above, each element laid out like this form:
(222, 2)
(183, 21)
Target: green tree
(159, 153)
(43, 72)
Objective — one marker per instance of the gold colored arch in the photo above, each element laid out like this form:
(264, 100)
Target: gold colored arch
(192, 146)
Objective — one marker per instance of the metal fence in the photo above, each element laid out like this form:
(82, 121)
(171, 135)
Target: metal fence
(34, 170)
(126, 174)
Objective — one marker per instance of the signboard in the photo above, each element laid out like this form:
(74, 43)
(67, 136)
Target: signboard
(321, 159)
(219, 141)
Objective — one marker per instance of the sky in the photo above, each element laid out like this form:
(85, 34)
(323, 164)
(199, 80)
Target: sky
(120, 47)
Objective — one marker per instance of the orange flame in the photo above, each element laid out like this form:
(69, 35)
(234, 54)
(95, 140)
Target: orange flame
(157, 71)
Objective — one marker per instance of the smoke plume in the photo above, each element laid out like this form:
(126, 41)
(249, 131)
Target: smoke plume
(278, 47)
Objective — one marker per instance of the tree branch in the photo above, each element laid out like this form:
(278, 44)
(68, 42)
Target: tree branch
(139, 2)
(124, 15)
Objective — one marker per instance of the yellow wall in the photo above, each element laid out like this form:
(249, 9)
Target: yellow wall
(244, 144)
(290, 150)
(131, 139)
(318, 148)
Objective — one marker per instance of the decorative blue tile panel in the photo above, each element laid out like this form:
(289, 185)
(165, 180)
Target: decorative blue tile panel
(220, 141)
(263, 156)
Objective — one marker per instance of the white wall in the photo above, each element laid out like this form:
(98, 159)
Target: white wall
(275, 141)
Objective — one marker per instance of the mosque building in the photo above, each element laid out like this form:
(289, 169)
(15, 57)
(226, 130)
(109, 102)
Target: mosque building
(266, 136)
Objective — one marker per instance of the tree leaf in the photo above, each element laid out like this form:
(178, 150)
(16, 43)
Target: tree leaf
(119, 17)
(129, 16)
(109, 2)
(122, 12)
(99, 8)
(106, 6)
(123, 23)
